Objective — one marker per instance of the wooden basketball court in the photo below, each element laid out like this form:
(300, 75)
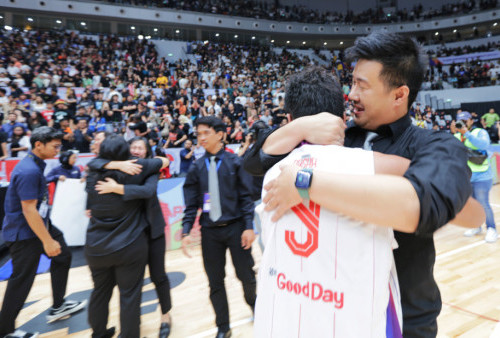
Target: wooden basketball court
(467, 271)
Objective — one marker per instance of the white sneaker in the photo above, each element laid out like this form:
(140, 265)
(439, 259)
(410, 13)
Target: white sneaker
(491, 235)
(67, 308)
(473, 232)
(22, 334)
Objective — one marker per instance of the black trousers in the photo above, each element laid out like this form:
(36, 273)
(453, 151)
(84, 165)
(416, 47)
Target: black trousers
(124, 268)
(25, 258)
(156, 262)
(214, 243)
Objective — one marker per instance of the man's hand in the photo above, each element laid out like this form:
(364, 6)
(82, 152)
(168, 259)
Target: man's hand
(130, 167)
(62, 178)
(463, 130)
(186, 241)
(247, 238)
(108, 186)
(281, 192)
(323, 128)
(88, 213)
(52, 247)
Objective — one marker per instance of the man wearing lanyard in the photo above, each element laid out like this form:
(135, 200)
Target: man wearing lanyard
(386, 79)
(218, 185)
(28, 233)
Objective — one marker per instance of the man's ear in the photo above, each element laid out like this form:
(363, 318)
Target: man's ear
(401, 95)
(221, 134)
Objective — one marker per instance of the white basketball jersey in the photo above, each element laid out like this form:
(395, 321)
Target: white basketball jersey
(323, 274)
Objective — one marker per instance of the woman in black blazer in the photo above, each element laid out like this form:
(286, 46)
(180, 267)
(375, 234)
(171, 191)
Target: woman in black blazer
(117, 244)
(140, 149)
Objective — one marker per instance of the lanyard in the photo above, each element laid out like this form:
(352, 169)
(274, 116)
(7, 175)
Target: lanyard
(208, 163)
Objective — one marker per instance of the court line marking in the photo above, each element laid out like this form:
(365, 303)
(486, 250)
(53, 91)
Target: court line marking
(461, 249)
(213, 332)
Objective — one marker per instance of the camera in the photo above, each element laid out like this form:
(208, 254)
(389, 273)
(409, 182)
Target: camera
(459, 125)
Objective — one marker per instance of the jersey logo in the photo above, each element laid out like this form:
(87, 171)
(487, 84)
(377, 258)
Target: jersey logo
(310, 218)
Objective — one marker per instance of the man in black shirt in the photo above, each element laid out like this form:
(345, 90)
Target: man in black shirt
(386, 80)
(226, 220)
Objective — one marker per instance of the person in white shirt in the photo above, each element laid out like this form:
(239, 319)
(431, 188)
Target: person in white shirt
(322, 273)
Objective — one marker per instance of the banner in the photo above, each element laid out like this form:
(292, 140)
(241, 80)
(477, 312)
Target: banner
(68, 211)
(483, 56)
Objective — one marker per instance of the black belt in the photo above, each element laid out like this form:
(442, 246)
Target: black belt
(238, 220)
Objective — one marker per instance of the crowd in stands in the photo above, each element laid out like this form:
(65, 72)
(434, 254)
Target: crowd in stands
(83, 86)
(300, 13)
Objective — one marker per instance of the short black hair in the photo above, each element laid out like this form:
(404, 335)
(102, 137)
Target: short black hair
(403, 62)
(45, 135)
(114, 148)
(212, 122)
(313, 91)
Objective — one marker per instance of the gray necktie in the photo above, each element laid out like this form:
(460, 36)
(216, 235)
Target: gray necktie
(213, 190)
(369, 140)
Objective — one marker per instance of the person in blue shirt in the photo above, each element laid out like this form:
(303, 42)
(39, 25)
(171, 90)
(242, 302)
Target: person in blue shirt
(28, 233)
(187, 157)
(67, 169)
(477, 141)
(9, 126)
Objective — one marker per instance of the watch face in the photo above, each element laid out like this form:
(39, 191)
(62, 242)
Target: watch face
(303, 180)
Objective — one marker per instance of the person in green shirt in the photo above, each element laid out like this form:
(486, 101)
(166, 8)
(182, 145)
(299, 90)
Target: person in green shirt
(489, 122)
(490, 118)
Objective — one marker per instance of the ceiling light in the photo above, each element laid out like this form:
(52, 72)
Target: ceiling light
(177, 31)
(324, 43)
(58, 21)
(132, 27)
(341, 42)
(217, 34)
(148, 37)
(272, 41)
(303, 42)
(236, 36)
(437, 33)
(140, 36)
(288, 42)
(156, 29)
(83, 23)
(253, 37)
(7, 28)
(496, 23)
(454, 31)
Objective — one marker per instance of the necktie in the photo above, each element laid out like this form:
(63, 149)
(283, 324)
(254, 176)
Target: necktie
(369, 140)
(213, 190)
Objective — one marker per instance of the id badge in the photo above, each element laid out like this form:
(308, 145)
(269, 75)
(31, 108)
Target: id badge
(206, 202)
(43, 209)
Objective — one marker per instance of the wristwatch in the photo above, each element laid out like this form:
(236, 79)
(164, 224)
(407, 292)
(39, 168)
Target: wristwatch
(303, 182)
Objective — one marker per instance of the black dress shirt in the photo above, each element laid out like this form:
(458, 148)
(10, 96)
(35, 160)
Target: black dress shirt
(235, 186)
(116, 222)
(440, 176)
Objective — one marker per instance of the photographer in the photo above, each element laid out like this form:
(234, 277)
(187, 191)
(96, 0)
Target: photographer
(477, 142)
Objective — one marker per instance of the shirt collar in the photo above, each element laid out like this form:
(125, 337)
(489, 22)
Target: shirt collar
(392, 130)
(218, 155)
(38, 161)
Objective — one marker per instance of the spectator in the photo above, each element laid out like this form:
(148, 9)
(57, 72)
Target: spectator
(82, 137)
(187, 157)
(12, 123)
(489, 122)
(20, 143)
(67, 169)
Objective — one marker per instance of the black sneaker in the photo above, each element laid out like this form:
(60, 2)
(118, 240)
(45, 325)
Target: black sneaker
(22, 334)
(67, 308)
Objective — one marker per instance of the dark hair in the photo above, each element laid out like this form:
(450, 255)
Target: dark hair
(45, 135)
(114, 148)
(403, 62)
(149, 152)
(64, 159)
(212, 122)
(313, 91)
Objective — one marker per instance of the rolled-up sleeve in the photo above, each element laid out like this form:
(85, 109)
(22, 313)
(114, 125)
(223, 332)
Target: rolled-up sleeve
(255, 161)
(441, 178)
